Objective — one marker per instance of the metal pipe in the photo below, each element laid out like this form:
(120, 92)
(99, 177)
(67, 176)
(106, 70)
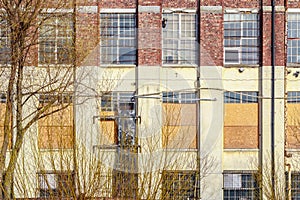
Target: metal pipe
(273, 99)
(260, 104)
(198, 103)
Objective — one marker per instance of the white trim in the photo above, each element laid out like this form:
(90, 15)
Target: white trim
(212, 9)
(117, 10)
(238, 10)
(87, 9)
(55, 10)
(178, 10)
(277, 8)
(150, 9)
(293, 10)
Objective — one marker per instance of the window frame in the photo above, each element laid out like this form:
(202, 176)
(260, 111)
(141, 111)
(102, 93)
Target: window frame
(55, 184)
(237, 97)
(293, 97)
(239, 187)
(179, 97)
(45, 52)
(171, 183)
(6, 38)
(240, 38)
(177, 39)
(123, 107)
(293, 38)
(117, 38)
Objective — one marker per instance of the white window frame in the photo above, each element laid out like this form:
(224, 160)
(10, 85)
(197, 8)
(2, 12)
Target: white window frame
(233, 181)
(242, 37)
(179, 97)
(178, 40)
(117, 38)
(290, 39)
(6, 40)
(42, 48)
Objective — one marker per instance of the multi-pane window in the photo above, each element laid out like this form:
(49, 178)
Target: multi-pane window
(293, 97)
(179, 185)
(56, 98)
(180, 38)
(56, 39)
(295, 186)
(177, 97)
(118, 38)
(125, 184)
(241, 97)
(2, 98)
(293, 38)
(5, 50)
(56, 184)
(123, 105)
(240, 186)
(241, 38)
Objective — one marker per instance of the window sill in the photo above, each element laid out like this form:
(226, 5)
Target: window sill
(180, 150)
(117, 66)
(179, 66)
(295, 65)
(54, 65)
(240, 65)
(241, 150)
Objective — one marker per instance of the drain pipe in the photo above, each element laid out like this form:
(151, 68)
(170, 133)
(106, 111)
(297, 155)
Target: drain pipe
(198, 117)
(273, 99)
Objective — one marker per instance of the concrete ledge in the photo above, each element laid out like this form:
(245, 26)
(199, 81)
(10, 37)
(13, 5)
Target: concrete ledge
(212, 9)
(87, 9)
(149, 9)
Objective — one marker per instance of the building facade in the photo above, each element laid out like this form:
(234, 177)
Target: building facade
(170, 99)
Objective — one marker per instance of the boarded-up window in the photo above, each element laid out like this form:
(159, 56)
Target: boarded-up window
(56, 129)
(293, 125)
(2, 113)
(179, 125)
(109, 128)
(241, 120)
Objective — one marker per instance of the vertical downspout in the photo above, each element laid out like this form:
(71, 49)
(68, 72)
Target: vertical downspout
(273, 99)
(136, 145)
(198, 113)
(74, 102)
(260, 117)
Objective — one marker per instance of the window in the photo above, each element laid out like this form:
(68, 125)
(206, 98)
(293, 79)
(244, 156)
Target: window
(241, 38)
(125, 184)
(240, 97)
(180, 39)
(240, 186)
(118, 38)
(123, 106)
(293, 38)
(176, 97)
(56, 127)
(56, 184)
(179, 185)
(56, 39)
(56, 98)
(2, 98)
(293, 97)
(295, 186)
(5, 50)
(179, 120)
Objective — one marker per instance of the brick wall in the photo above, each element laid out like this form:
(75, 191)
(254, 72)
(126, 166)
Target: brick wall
(87, 33)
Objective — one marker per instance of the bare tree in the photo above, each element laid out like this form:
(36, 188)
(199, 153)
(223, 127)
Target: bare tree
(33, 81)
